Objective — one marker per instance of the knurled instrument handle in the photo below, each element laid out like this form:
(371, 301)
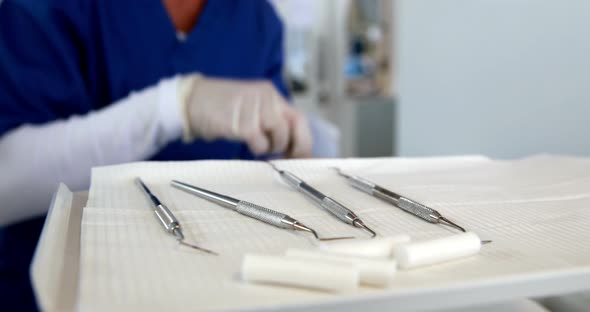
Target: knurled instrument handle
(263, 214)
(338, 210)
(418, 209)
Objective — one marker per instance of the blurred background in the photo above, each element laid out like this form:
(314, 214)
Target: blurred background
(504, 78)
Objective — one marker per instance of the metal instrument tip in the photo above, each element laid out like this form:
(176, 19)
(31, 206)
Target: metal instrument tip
(325, 239)
(272, 165)
(180, 238)
(340, 172)
(299, 226)
(361, 224)
(182, 242)
(450, 223)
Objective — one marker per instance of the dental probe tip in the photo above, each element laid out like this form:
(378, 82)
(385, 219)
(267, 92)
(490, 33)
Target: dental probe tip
(361, 224)
(325, 239)
(182, 242)
(300, 226)
(340, 172)
(180, 238)
(451, 223)
(272, 165)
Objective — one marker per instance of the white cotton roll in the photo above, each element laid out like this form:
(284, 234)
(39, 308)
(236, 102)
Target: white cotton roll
(305, 273)
(412, 255)
(379, 247)
(373, 272)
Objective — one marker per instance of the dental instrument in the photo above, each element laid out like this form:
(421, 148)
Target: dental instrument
(167, 219)
(332, 206)
(406, 204)
(251, 210)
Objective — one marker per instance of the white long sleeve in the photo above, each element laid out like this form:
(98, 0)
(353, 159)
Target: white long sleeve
(34, 159)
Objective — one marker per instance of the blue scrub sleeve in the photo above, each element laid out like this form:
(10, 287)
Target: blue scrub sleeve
(40, 64)
(277, 54)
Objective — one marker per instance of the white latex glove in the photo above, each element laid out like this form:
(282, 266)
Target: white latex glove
(249, 111)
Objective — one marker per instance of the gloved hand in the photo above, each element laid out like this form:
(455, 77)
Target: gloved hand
(249, 111)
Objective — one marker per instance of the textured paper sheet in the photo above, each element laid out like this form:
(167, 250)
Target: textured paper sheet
(47, 264)
(54, 269)
(535, 210)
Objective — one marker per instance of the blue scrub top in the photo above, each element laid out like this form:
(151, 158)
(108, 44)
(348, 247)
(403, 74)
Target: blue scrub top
(60, 58)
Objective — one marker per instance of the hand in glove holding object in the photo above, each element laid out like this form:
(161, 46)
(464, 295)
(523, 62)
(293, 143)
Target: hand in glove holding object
(249, 111)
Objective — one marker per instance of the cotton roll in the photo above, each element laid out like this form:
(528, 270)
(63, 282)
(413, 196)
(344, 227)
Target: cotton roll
(412, 255)
(373, 272)
(305, 273)
(378, 248)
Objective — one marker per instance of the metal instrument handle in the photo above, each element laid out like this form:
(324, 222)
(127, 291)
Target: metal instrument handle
(312, 193)
(290, 179)
(419, 210)
(338, 210)
(327, 203)
(263, 214)
(166, 218)
(362, 184)
(146, 191)
(222, 200)
(162, 213)
(302, 187)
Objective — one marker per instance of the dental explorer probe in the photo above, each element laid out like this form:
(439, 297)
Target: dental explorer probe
(251, 210)
(406, 204)
(167, 219)
(327, 203)
(402, 202)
